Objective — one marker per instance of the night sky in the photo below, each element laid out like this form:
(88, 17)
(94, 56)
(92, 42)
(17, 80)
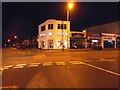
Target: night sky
(22, 19)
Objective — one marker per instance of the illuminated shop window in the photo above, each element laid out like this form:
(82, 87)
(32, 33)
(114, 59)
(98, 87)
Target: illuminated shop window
(50, 34)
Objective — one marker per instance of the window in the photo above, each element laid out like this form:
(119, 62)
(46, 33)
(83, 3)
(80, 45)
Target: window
(61, 26)
(64, 26)
(50, 33)
(50, 26)
(42, 28)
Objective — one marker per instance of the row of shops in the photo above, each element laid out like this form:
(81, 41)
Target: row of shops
(105, 40)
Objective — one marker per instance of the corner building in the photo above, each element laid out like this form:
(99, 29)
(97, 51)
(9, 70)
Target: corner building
(53, 34)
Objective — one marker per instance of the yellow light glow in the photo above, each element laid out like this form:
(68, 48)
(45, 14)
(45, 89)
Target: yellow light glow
(8, 40)
(38, 40)
(70, 5)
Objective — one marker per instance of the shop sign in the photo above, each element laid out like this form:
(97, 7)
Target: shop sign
(109, 38)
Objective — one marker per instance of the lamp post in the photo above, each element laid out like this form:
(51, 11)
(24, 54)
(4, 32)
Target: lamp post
(70, 6)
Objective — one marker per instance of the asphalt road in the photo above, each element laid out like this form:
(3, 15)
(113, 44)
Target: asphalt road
(57, 69)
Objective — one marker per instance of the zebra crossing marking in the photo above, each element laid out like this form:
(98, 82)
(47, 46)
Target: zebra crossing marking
(47, 63)
(60, 63)
(76, 62)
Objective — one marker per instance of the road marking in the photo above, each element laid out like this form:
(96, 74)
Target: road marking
(99, 68)
(110, 60)
(76, 62)
(1, 70)
(18, 67)
(47, 63)
(7, 67)
(21, 64)
(102, 59)
(34, 64)
(60, 63)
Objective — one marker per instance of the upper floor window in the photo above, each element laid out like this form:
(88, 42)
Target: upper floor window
(59, 26)
(50, 26)
(42, 28)
(62, 26)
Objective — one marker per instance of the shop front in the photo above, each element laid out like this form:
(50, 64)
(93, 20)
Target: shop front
(77, 40)
(118, 41)
(108, 40)
(93, 39)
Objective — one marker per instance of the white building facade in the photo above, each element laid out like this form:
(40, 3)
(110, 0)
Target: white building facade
(53, 34)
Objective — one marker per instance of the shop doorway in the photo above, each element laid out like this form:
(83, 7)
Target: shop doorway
(50, 44)
(109, 44)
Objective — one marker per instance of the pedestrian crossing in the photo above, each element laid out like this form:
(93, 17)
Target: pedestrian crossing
(58, 63)
(33, 64)
(47, 63)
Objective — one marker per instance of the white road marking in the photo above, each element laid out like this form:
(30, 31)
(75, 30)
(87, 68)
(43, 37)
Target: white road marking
(102, 59)
(60, 63)
(76, 62)
(102, 69)
(7, 67)
(1, 70)
(111, 60)
(34, 64)
(18, 67)
(47, 63)
(21, 64)
(108, 60)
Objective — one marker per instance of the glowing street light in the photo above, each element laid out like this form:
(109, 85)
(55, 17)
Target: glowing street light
(70, 6)
(8, 40)
(15, 36)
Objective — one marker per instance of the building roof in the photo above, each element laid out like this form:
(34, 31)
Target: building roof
(112, 27)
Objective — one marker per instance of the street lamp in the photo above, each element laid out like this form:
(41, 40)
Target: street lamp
(15, 36)
(70, 6)
(8, 40)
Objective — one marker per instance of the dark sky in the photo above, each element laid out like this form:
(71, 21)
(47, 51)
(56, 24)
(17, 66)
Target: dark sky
(22, 19)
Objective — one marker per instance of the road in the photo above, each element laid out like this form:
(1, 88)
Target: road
(57, 69)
